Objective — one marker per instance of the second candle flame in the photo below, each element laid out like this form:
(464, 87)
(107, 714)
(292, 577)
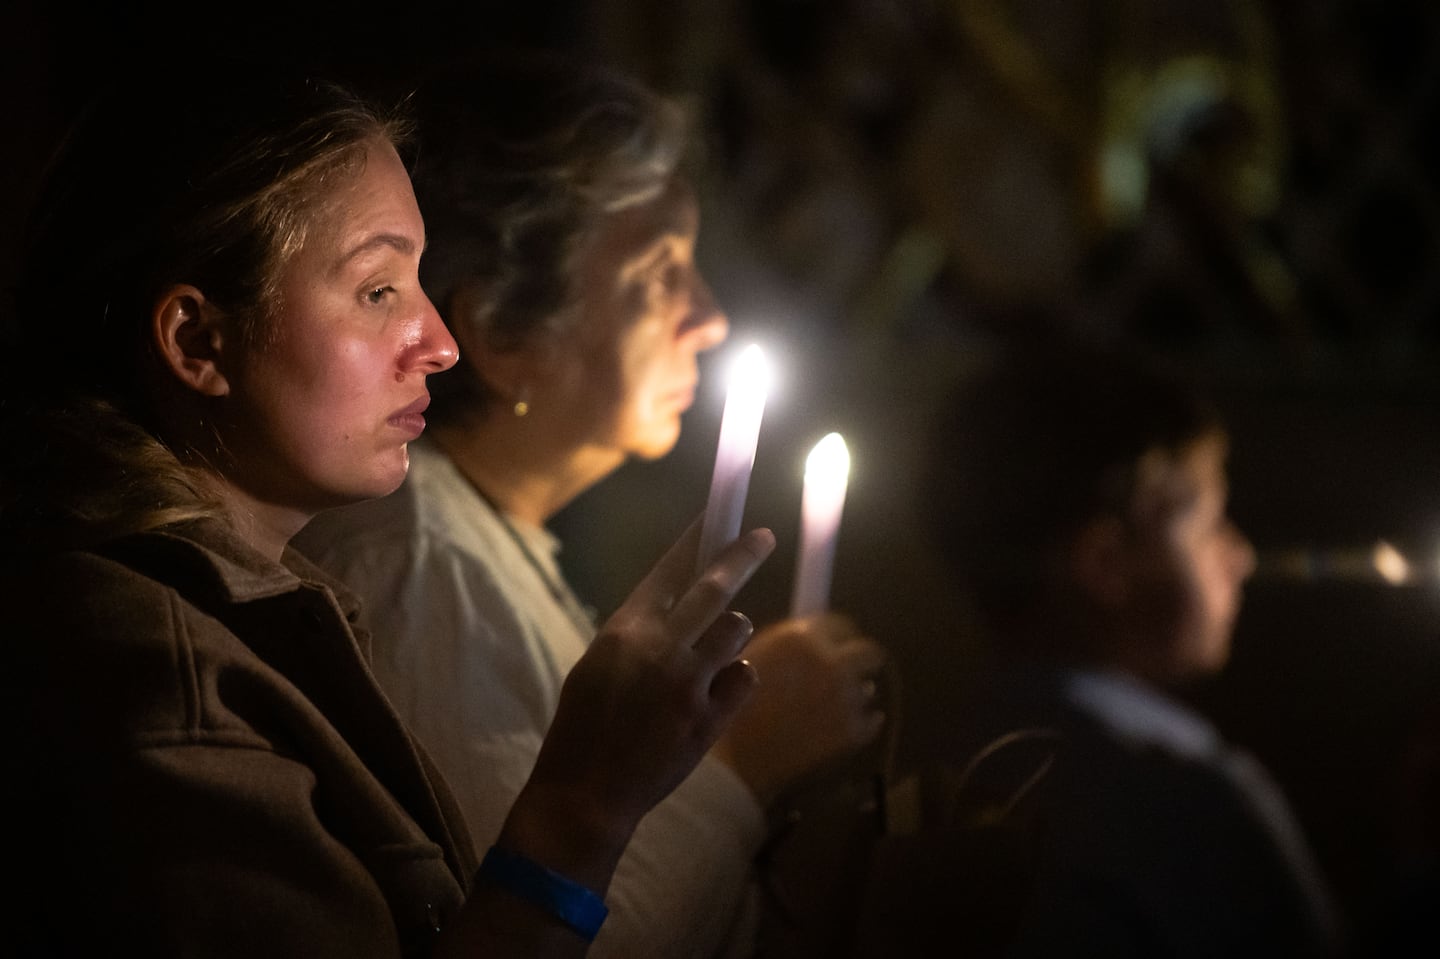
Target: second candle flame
(827, 473)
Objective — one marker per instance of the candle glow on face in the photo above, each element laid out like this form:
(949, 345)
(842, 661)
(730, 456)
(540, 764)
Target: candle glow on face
(735, 456)
(827, 474)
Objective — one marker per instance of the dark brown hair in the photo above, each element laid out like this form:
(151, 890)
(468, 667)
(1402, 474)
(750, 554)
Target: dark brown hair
(1044, 438)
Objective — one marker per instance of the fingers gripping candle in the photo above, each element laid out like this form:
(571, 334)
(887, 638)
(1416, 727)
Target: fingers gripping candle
(827, 472)
(735, 457)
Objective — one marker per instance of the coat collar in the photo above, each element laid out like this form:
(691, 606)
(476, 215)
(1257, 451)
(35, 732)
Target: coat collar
(227, 567)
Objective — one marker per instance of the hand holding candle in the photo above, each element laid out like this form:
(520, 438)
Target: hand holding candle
(735, 457)
(827, 472)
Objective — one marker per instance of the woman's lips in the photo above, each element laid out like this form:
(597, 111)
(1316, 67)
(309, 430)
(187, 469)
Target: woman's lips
(684, 398)
(411, 420)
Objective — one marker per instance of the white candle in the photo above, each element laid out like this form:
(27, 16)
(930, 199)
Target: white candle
(735, 457)
(827, 472)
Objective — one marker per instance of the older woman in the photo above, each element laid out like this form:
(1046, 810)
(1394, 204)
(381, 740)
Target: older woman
(562, 253)
(221, 332)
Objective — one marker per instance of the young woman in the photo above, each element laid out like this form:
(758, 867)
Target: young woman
(562, 253)
(221, 331)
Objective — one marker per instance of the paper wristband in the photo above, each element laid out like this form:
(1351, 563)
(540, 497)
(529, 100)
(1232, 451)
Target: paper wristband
(565, 899)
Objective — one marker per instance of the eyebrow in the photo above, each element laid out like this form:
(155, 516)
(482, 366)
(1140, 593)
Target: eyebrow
(396, 241)
(652, 254)
(662, 246)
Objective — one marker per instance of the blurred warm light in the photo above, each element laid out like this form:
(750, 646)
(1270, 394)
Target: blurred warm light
(1390, 564)
(1383, 562)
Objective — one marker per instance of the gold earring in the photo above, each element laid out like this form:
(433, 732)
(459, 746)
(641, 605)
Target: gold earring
(522, 403)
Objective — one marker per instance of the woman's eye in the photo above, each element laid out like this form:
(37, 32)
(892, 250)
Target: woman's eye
(378, 294)
(668, 279)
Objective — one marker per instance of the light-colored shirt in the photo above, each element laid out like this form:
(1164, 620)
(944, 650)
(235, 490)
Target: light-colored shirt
(475, 629)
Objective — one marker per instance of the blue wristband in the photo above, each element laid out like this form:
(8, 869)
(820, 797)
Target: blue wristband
(565, 899)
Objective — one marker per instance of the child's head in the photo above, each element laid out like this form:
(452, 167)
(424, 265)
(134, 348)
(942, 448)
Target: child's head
(1080, 495)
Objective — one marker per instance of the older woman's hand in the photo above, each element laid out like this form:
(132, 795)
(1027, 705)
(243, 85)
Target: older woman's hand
(815, 705)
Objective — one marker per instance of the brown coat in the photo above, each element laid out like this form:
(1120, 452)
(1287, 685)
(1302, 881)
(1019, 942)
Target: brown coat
(205, 766)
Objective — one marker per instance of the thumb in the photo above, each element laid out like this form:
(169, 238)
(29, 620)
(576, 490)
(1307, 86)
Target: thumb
(730, 690)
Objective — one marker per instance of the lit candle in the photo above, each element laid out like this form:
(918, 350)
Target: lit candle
(735, 457)
(827, 471)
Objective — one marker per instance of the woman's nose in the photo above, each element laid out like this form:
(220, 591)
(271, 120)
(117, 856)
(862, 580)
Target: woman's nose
(706, 325)
(435, 351)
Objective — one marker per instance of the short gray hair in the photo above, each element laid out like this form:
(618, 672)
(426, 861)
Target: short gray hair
(520, 159)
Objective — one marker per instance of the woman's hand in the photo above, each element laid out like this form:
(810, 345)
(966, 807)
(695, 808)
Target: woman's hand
(642, 706)
(815, 705)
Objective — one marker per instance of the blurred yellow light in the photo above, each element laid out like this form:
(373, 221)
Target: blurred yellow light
(1390, 564)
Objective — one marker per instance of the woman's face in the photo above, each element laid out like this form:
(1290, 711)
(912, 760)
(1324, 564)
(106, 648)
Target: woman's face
(625, 372)
(320, 414)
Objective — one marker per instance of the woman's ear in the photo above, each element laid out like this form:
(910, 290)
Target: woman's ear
(189, 337)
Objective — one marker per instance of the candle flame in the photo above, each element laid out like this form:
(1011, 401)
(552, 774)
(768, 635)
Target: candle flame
(750, 371)
(827, 471)
(735, 454)
(829, 457)
(1390, 564)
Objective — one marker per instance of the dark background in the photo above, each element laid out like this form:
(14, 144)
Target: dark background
(891, 187)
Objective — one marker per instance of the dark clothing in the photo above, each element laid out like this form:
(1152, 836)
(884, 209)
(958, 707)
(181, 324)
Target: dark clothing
(1091, 815)
(1161, 839)
(205, 766)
